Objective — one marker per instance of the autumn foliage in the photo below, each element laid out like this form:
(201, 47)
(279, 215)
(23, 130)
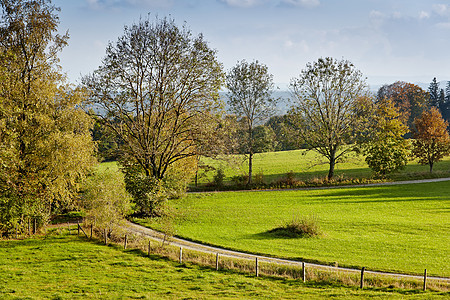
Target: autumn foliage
(432, 140)
(410, 99)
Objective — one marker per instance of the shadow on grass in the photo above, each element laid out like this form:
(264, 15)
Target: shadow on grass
(278, 233)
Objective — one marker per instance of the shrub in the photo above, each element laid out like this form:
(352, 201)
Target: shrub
(218, 178)
(105, 200)
(240, 180)
(299, 227)
(258, 179)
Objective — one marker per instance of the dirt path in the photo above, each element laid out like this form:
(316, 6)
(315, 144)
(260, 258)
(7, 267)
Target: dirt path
(185, 244)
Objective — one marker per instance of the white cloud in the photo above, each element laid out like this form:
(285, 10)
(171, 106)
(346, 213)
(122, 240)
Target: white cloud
(424, 15)
(442, 9)
(303, 3)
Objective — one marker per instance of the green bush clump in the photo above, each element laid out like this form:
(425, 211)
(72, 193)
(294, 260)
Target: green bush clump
(299, 227)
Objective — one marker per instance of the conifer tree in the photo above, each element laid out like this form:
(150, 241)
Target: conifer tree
(433, 89)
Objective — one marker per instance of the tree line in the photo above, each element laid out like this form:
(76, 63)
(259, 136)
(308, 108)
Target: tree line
(154, 106)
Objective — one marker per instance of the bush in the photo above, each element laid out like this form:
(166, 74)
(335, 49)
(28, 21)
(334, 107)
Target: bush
(288, 180)
(218, 178)
(105, 199)
(258, 179)
(304, 227)
(240, 180)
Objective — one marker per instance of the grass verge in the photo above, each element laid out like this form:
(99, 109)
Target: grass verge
(69, 267)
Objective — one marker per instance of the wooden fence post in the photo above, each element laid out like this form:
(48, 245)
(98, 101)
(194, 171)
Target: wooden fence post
(149, 248)
(125, 242)
(106, 237)
(91, 231)
(217, 261)
(303, 272)
(362, 277)
(34, 229)
(256, 267)
(425, 280)
(81, 228)
(78, 227)
(181, 255)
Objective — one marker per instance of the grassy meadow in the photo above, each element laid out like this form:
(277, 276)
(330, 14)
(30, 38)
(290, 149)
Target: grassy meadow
(69, 267)
(307, 165)
(401, 228)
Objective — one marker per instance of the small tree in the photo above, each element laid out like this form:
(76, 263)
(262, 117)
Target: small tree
(327, 113)
(432, 141)
(105, 199)
(386, 150)
(250, 88)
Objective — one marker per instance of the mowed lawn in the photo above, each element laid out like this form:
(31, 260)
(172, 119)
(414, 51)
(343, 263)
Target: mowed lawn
(403, 228)
(68, 267)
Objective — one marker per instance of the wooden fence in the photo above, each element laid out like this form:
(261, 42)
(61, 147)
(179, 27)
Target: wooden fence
(179, 254)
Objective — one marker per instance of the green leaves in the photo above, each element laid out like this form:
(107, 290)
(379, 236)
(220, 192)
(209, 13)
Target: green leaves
(386, 150)
(46, 147)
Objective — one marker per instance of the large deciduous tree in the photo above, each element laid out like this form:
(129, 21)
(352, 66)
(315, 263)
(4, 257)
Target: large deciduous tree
(327, 97)
(250, 87)
(157, 89)
(431, 139)
(45, 142)
(410, 99)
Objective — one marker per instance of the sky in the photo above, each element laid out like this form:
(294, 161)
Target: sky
(387, 40)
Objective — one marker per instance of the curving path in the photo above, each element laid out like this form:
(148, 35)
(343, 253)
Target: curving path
(186, 244)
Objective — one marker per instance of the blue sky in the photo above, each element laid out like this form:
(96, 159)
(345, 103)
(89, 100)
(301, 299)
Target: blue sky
(388, 40)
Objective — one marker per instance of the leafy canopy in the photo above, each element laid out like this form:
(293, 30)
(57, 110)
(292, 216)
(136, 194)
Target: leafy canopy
(432, 141)
(157, 90)
(45, 142)
(386, 150)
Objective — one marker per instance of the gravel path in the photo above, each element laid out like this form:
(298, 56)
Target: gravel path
(185, 244)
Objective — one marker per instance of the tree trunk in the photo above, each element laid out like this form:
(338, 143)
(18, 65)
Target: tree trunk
(431, 167)
(332, 164)
(250, 153)
(250, 167)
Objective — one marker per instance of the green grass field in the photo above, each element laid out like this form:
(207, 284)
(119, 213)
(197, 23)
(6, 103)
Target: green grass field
(308, 164)
(68, 267)
(402, 228)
